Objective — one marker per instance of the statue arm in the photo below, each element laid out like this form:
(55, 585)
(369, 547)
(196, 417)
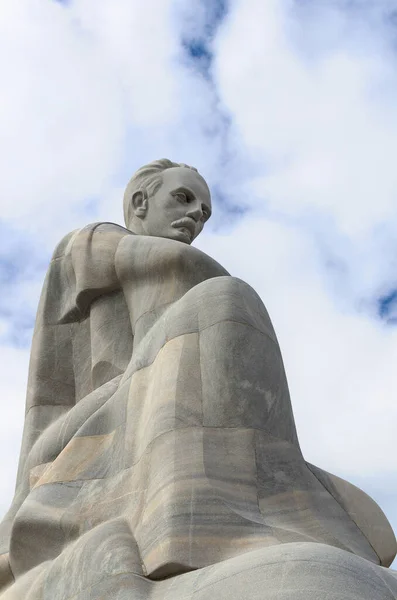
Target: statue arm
(156, 272)
(92, 254)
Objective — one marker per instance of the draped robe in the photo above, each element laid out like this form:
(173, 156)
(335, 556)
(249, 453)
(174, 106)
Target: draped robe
(159, 456)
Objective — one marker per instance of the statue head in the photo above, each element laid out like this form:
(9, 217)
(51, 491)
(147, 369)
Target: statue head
(167, 199)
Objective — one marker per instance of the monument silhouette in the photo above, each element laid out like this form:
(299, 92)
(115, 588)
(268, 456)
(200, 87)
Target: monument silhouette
(160, 458)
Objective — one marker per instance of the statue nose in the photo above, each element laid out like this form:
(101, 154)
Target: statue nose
(195, 214)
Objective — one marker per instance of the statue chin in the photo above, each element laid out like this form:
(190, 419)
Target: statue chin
(160, 457)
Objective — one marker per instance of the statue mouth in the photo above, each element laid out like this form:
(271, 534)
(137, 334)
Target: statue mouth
(187, 226)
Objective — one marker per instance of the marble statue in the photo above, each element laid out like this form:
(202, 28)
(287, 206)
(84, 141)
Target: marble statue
(160, 458)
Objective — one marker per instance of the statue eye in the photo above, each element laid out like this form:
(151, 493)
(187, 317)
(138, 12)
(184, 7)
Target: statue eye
(182, 197)
(206, 213)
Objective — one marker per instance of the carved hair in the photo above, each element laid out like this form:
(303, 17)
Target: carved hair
(147, 178)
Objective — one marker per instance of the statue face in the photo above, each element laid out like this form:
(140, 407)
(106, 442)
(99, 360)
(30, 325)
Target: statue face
(180, 207)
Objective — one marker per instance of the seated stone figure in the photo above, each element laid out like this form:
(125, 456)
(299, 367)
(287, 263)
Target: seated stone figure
(159, 457)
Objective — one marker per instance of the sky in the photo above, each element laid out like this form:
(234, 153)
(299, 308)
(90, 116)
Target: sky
(288, 109)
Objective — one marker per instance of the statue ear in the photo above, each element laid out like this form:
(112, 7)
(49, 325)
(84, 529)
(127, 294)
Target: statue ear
(139, 203)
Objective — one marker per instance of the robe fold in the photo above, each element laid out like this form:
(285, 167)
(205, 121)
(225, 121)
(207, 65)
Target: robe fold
(159, 449)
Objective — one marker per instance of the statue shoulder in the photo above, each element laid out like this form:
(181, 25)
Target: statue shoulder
(101, 233)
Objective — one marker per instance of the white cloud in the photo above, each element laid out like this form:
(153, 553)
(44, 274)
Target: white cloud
(320, 127)
(60, 112)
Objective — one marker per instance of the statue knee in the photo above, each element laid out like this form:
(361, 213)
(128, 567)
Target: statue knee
(228, 298)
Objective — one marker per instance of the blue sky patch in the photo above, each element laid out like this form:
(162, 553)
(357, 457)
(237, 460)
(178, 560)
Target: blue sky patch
(387, 307)
(197, 49)
(198, 46)
(8, 270)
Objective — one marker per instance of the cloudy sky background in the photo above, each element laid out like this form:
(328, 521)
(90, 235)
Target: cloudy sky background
(289, 110)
